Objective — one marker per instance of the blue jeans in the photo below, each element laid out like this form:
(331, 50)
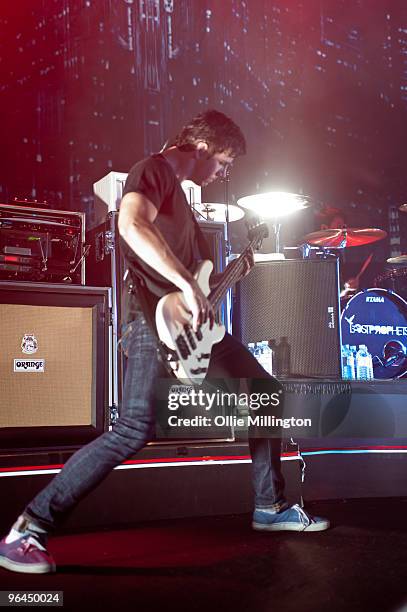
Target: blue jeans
(135, 427)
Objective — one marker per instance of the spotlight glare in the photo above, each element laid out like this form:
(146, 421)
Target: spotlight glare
(274, 204)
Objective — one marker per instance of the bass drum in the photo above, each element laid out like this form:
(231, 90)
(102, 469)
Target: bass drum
(377, 318)
(394, 279)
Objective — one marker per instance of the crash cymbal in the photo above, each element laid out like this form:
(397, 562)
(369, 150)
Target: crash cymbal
(403, 207)
(346, 237)
(400, 259)
(213, 211)
(274, 204)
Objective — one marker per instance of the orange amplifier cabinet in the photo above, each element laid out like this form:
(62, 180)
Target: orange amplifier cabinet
(54, 364)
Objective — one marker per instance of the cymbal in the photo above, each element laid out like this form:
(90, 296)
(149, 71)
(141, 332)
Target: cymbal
(346, 237)
(274, 204)
(403, 207)
(400, 259)
(213, 211)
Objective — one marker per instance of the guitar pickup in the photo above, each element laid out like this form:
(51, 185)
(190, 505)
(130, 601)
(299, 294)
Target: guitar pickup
(199, 370)
(188, 333)
(203, 356)
(182, 347)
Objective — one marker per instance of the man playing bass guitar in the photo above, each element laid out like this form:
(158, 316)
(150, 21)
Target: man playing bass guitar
(162, 244)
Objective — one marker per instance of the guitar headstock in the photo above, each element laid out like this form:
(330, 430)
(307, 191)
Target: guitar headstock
(256, 233)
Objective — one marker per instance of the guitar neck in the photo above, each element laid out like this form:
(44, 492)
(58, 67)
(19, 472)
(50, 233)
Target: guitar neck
(230, 277)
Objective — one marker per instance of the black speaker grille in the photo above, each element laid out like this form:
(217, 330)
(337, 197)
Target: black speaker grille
(298, 299)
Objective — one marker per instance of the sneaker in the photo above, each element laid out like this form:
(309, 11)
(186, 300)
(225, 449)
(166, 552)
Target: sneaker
(291, 519)
(26, 555)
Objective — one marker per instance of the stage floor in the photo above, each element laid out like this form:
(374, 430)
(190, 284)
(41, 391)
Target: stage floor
(219, 564)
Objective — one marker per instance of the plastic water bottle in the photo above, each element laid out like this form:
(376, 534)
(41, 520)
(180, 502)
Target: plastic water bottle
(352, 361)
(354, 349)
(251, 347)
(371, 371)
(364, 366)
(370, 365)
(348, 363)
(258, 353)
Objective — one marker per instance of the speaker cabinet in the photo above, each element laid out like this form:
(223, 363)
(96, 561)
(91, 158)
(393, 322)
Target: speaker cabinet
(53, 364)
(298, 299)
(214, 233)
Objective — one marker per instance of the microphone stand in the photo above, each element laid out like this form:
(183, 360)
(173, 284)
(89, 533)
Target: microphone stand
(226, 182)
(228, 250)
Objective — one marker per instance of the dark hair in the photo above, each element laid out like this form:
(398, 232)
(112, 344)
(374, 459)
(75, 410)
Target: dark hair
(214, 128)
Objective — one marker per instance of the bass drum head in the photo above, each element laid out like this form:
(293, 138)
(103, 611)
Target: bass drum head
(377, 318)
(394, 279)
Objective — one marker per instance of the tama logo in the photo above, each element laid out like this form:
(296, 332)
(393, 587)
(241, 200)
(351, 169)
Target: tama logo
(29, 365)
(375, 298)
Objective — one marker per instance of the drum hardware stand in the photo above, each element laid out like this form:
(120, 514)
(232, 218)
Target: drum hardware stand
(344, 241)
(198, 213)
(226, 181)
(190, 195)
(320, 252)
(277, 228)
(327, 253)
(228, 247)
(274, 205)
(110, 244)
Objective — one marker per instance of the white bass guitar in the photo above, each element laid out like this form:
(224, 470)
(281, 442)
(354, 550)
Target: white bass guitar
(188, 351)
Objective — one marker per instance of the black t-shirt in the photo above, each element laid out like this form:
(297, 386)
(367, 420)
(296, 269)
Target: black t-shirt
(154, 178)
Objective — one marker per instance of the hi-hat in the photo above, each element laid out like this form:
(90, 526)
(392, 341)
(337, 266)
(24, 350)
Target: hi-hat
(400, 259)
(213, 211)
(346, 237)
(274, 204)
(403, 207)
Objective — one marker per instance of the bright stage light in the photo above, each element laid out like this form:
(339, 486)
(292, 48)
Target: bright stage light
(274, 204)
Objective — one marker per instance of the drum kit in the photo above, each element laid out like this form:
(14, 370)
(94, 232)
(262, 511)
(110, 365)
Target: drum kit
(375, 317)
(218, 212)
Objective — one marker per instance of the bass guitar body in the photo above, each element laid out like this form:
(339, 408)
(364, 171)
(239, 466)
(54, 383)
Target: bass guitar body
(189, 351)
